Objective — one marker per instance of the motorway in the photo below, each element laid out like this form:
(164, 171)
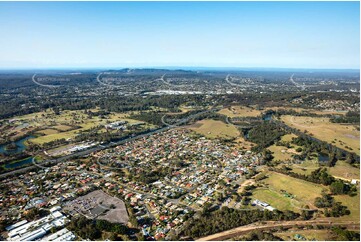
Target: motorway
(104, 146)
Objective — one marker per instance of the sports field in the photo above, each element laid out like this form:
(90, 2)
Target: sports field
(305, 192)
(341, 135)
(215, 129)
(274, 198)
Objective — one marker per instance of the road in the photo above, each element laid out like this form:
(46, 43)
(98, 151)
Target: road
(43, 85)
(296, 84)
(105, 146)
(273, 225)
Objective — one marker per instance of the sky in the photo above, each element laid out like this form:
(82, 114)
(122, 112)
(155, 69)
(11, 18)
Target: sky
(196, 34)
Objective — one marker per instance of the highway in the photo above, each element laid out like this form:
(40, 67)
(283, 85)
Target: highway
(104, 146)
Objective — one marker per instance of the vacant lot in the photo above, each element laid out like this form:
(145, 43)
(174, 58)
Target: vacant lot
(240, 111)
(215, 129)
(341, 135)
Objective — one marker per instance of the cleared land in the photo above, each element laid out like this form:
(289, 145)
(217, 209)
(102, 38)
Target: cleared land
(215, 129)
(341, 135)
(240, 111)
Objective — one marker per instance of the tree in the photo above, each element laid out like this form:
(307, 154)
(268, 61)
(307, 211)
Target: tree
(338, 187)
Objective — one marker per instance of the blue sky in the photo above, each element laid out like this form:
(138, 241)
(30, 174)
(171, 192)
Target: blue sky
(212, 34)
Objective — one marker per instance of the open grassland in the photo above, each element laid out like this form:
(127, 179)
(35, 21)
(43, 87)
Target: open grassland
(215, 129)
(305, 192)
(240, 111)
(309, 234)
(340, 135)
